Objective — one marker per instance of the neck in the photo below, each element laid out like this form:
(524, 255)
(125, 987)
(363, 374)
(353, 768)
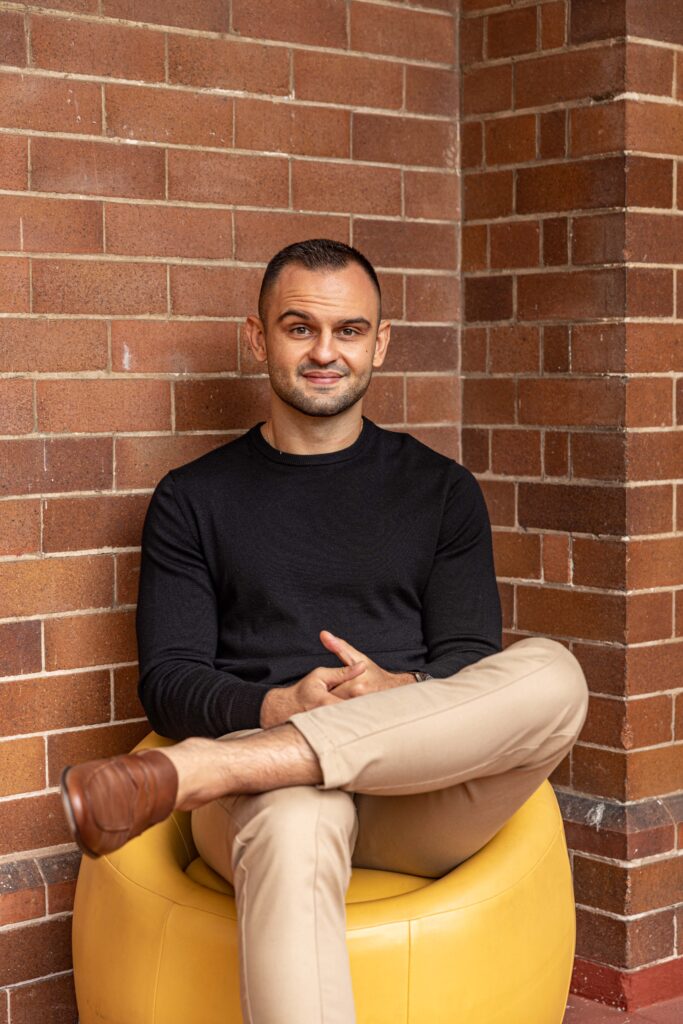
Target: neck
(290, 431)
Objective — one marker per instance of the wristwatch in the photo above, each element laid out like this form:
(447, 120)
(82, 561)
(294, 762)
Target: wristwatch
(421, 676)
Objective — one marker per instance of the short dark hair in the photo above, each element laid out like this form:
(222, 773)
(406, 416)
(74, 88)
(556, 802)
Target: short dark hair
(315, 254)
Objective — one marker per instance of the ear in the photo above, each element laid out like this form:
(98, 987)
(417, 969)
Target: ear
(256, 338)
(383, 337)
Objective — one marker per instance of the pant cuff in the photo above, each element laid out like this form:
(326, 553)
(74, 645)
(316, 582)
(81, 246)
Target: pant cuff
(330, 764)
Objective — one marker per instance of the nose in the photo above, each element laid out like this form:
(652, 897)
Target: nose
(324, 349)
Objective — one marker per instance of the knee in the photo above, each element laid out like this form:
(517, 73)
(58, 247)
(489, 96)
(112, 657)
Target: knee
(562, 692)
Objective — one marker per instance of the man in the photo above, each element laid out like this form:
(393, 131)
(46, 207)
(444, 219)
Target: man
(320, 593)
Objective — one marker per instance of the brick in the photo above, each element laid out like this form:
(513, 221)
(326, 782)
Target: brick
(474, 242)
(77, 524)
(428, 194)
(30, 823)
(552, 134)
(12, 39)
(649, 617)
(13, 161)
(126, 701)
(80, 641)
(556, 349)
(572, 508)
(511, 33)
(649, 70)
(435, 299)
(35, 950)
(421, 349)
(82, 6)
(556, 558)
(169, 115)
(127, 577)
(649, 293)
(86, 744)
(16, 406)
(474, 349)
(51, 998)
(347, 80)
(471, 40)
(553, 25)
(407, 244)
(649, 182)
(488, 195)
(556, 454)
(649, 509)
(600, 239)
(550, 296)
(431, 91)
(168, 231)
(488, 400)
(432, 399)
(49, 104)
(624, 943)
(599, 563)
(596, 129)
(54, 702)
(227, 64)
(515, 244)
(513, 349)
(23, 766)
(52, 346)
(649, 402)
(384, 400)
(14, 285)
(471, 144)
(64, 464)
(349, 188)
(213, 291)
(220, 404)
(500, 501)
(97, 168)
(598, 456)
(258, 235)
(511, 140)
(19, 527)
(598, 348)
(50, 225)
(584, 185)
(646, 667)
(627, 891)
(142, 461)
(22, 894)
(209, 15)
(475, 450)
(408, 141)
(655, 563)
(227, 178)
(571, 402)
(654, 772)
(516, 453)
(402, 33)
(61, 872)
(98, 287)
(653, 238)
(32, 586)
(656, 19)
(555, 242)
(318, 22)
(570, 613)
(576, 74)
(168, 346)
(103, 405)
(285, 128)
(517, 555)
(97, 48)
(487, 90)
(590, 20)
(654, 128)
(488, 298)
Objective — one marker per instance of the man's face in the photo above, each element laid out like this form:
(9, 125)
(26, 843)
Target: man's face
(321, 337)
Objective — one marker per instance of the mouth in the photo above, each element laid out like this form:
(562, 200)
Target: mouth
(320, 379)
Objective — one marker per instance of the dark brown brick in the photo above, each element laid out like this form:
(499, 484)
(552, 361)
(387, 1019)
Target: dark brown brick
(412, 141)
(649, 182)
(487, 90)
(407, 244)
(516, 452)
(488, 400)
(572, 508)
(224, 405)
(488, 298)
(595, 293)
(586, 184)
(598, 456)
(589, 20)
(52, 999)
(35, 950)
(515, 244)
(511, 33)
(571, 402)
(513, 348)
(488, 194)
(576, 74)
(570, 613)
(625, 944)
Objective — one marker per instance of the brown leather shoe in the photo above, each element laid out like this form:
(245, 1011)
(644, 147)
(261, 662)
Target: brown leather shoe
(110, 800)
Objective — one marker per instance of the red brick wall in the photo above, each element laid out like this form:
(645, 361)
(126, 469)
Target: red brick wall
(572, 361)
(153, 155)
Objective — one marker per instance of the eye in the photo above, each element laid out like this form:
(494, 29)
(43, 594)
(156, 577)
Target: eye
(348, 332)
(299, 329)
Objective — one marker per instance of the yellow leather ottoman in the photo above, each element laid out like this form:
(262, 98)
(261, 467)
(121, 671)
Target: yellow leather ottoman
(492, 942)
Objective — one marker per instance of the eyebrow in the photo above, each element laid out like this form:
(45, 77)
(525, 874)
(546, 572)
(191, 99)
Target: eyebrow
(301, 315)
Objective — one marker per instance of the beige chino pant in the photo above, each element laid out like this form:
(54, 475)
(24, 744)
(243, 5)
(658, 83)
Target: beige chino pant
(416, 780)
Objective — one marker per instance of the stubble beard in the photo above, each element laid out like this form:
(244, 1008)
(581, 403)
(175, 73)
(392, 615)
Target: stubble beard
(295, 396)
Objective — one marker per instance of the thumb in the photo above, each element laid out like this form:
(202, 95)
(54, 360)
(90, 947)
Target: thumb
(344, 651)
(332, 677)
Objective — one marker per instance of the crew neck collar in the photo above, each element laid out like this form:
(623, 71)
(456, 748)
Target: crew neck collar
(289, 458)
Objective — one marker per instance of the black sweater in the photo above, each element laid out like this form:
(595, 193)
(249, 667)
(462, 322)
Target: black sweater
(249, 552)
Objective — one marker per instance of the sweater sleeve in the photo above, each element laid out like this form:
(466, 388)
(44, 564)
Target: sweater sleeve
(177, 629)
(461, 617)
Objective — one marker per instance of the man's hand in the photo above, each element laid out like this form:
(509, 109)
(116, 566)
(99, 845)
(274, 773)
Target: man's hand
(310, 692)
(369, 679)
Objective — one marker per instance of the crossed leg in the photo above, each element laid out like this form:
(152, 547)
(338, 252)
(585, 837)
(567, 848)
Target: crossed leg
(414, 779)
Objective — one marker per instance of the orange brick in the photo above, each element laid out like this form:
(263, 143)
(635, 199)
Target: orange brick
(12, 39)
(655, 563)
(52, 345)
(77, 524)
(553, 24)
(654, 128)
(227, 178)
(210, 15)
(318, 22)
(54, 702)
(649, 402)
(169, 115)
(213, 291)
(23, 766)
(221, 404)
(487, 90)
(49, 104)
(471, 40)
(284, 128)
(13, 161)
(92, 48)
(16, 406)
(127, 577)
(126, 701)
(32, 586)
(63, 464)
(168, 231)
(97, 168)
(431, 90)
(514, 348)
(500, 501)
(347, 188)
(98, 287)
(227, 64)
(411, 34)
(649, 617)
(572, 402)
(347, 80)
(432, 399)
(649, 69)
(50, 225)
(168, 346)
(569, 76)
(14, 285)
(432, 298)
(98, 406)
(67, 748)
(407, 244)
(490, 400)
(594, 293)
(488, 194)
(511, 33)
(516, 452)
(556, 558)
(515, 244)
(258, 235)
(19, 527)
(411, 141)
(511, 140)
(75, 641)
(653, 238)
(656, 19)
(29, 824)
(517, 555)
(142, 461)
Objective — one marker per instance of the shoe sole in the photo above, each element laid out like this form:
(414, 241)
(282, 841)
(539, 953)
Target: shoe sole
(71, 818)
